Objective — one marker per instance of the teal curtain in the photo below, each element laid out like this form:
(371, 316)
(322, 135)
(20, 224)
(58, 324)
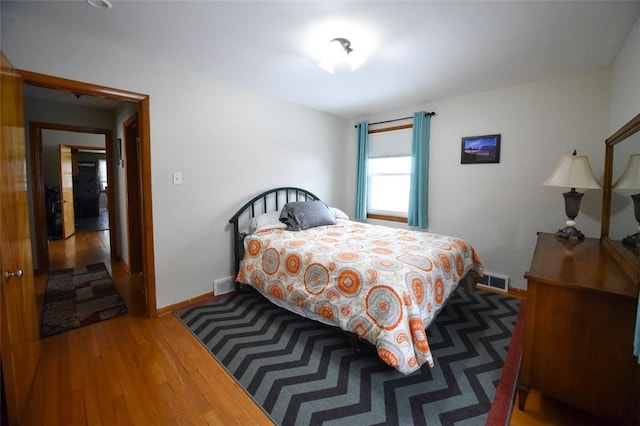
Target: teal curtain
(361, 171)
(419, 187)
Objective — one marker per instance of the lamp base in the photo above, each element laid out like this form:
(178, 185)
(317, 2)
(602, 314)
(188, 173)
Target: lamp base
(570, 233)
(571, 207)
(632, 240)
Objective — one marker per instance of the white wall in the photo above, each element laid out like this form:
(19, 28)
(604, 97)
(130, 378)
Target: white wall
(625, 81)
(506, 205)
(499, 208)
(219, 136)
(227, 141)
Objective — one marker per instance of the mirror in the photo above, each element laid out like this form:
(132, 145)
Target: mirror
(618, 218)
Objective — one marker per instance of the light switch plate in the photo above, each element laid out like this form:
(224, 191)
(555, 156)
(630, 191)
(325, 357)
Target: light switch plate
(177, 178)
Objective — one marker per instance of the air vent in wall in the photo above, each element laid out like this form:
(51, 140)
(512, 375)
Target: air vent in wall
(494, 281)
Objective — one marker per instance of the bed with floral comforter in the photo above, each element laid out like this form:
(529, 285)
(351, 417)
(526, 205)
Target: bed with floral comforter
(383, 284)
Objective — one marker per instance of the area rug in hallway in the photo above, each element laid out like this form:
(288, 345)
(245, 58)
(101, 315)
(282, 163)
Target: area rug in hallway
(305, 373)
(79, 296)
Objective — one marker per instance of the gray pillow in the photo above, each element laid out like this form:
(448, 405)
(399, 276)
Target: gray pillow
(306, 214)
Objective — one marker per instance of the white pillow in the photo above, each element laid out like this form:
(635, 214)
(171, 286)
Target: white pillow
(270, 220)
(338, 214)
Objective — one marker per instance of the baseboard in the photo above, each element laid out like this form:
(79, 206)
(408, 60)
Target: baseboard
(512, 292)
(170, 308)
(124, 265)
(517, 292)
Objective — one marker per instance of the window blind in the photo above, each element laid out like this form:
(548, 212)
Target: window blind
(395, 143)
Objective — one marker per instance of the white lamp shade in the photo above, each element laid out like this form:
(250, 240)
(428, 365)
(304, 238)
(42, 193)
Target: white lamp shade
(573, 171)
(630, 179)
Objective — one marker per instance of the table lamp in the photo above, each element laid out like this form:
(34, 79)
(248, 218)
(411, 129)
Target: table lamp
(572, 171)
(630, 179)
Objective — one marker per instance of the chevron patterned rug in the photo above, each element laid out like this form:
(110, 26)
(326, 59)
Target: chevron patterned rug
(305, 373)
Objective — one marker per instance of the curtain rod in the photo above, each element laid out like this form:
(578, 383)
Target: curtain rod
(396, 119)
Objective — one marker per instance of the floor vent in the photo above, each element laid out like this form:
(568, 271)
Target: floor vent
(494, 281)
(223, 285)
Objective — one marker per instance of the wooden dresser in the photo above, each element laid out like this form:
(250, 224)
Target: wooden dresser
(578, 338)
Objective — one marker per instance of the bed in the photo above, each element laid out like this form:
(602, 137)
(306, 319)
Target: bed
(381, 284)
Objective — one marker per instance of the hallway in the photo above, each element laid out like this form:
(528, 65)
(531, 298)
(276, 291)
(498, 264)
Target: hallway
(86, 248)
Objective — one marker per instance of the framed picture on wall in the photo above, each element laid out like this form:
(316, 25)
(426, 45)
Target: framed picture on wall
(480, 149)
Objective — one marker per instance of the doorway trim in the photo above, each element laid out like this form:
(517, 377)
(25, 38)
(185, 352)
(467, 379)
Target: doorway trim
(77, 87)
(38, 187)
(134, 218)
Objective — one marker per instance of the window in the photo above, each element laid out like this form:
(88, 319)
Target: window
(102, 172)
(388, 184)
(389, 174)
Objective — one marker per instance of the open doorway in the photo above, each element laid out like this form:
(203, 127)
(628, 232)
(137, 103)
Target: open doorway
(90, 184)
(76, 179)
(67, 187)
(78, 216)
(141, 103)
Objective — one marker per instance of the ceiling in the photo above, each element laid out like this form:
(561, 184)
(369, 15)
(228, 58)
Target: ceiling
(417, 51)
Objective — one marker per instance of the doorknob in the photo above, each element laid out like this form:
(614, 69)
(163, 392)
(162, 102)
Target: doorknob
(17, 274)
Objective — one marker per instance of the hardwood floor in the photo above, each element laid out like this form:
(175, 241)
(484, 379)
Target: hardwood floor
(136, 371)
(541, 410)
(129, 370)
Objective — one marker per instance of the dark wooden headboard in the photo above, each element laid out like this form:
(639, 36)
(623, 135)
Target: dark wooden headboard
(269, 201)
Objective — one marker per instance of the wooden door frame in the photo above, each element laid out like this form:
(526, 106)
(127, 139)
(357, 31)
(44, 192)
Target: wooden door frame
(142, 101)
(38, 187)
(132, 173)
(68, 205)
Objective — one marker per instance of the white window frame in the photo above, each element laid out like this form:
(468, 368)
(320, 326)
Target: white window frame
(371, 177)
(389, 142)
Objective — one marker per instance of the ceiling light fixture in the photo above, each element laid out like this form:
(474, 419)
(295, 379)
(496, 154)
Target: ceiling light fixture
(100, 4)
(339, 50)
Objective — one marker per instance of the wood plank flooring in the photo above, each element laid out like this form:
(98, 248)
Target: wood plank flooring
(131, 370)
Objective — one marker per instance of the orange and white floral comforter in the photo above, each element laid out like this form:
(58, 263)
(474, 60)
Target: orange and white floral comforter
(384, 284)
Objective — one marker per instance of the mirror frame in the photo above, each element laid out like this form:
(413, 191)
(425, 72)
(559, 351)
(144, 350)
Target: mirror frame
(629, 263)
